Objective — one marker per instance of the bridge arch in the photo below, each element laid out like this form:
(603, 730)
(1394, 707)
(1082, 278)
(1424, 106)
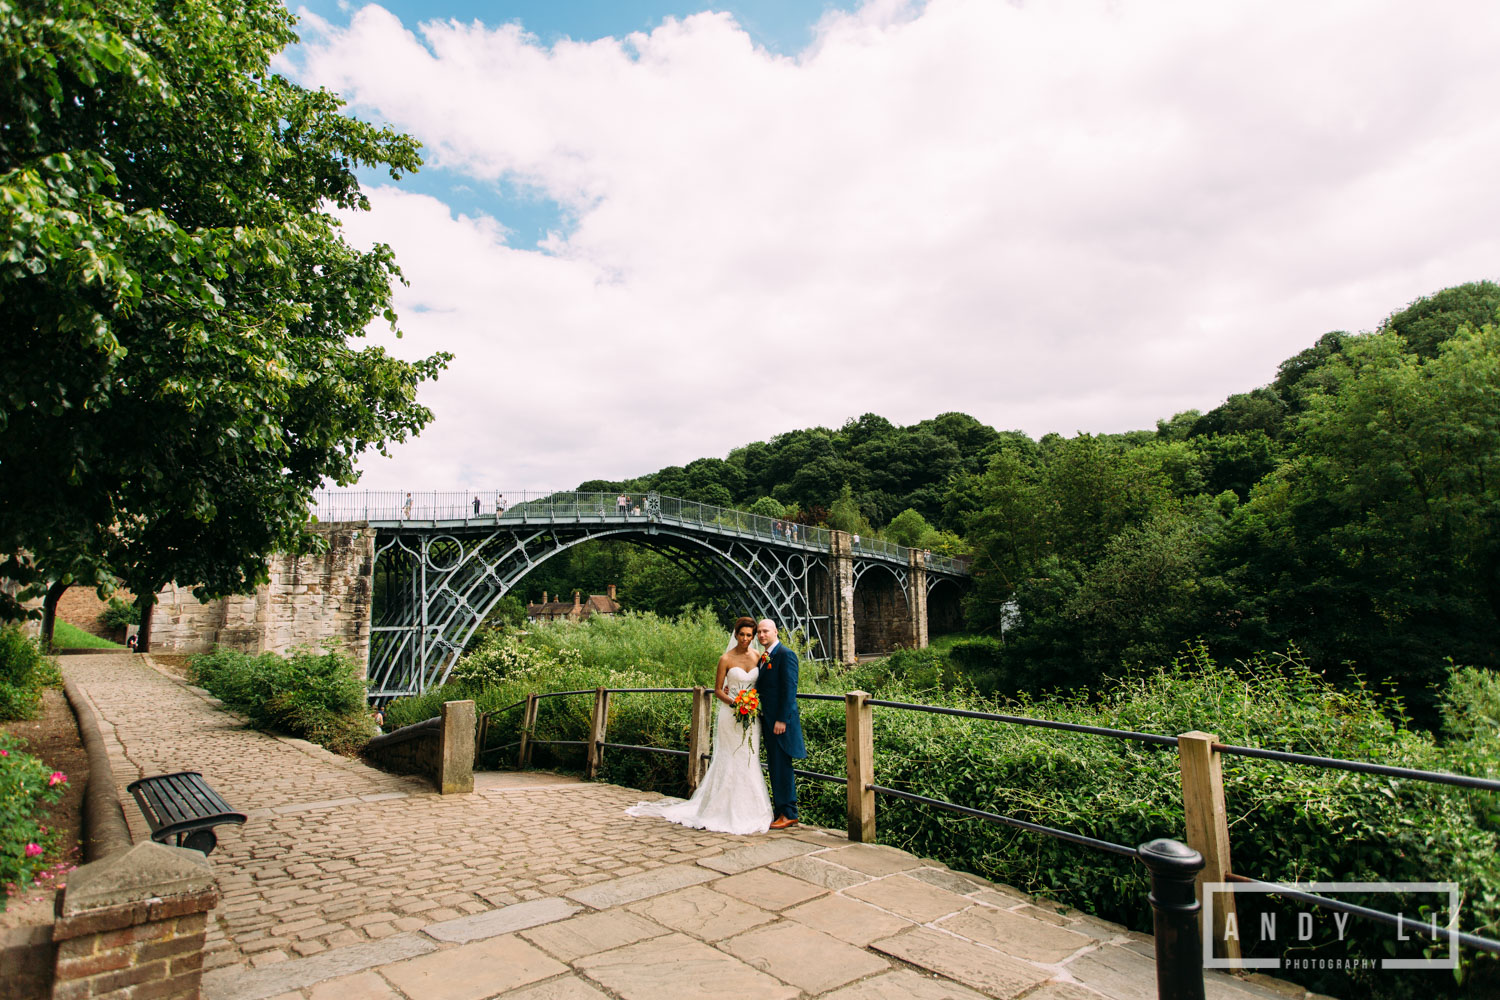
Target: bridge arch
(882, 611)
(440, 567)
(945, 612)
(435, 588)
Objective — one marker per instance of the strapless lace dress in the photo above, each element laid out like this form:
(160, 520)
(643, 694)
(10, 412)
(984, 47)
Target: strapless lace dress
(732, 797)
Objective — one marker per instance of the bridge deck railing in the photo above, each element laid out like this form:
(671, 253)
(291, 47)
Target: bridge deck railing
(521, 507)
(1174, 867)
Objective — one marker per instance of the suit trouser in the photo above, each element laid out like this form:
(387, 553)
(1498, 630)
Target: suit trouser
(783, 781)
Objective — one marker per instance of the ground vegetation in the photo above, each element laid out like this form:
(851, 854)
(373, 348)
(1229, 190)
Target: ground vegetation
(311, 694)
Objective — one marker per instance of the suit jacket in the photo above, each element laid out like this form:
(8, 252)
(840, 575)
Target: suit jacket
(777, 685)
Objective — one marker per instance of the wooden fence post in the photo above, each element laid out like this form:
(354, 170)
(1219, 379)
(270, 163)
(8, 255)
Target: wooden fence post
(1207, 823)
(596, 733)
(481, 736)
(859, 752)
(528, 723)
(699, 734)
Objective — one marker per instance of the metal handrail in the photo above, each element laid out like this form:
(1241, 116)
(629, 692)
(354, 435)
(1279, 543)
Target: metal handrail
(490, 507)
(1022, 720)
(1020, 824)
(1436, 777)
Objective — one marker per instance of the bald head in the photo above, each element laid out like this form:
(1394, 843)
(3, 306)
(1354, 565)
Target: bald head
(766, 633)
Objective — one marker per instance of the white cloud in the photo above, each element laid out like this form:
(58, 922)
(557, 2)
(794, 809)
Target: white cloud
(1059, 216)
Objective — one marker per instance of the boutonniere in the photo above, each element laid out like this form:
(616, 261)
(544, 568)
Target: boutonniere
(764, 662)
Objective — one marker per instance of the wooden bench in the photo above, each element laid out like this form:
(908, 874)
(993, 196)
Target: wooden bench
(182, 805)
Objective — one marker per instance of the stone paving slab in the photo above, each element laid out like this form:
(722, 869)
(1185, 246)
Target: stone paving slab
(571, 939)
(515, 917)
(257, 984)
(904, 984)
(567, 988)
(982, 969)
(909, 898)
(767, 889)
(847, 919)
(742, 859)
(703, 913)
(473, 971)
(640, 886)
(806, 958)
(676, 967)
(1016, 934)
(872, 859)
(820, 872)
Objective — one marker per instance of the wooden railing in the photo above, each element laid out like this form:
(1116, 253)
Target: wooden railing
(1205, 859)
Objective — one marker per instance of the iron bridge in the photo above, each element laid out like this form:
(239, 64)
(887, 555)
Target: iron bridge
(443, 561)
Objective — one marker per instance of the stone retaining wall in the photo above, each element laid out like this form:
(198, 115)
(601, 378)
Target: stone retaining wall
(441, 749)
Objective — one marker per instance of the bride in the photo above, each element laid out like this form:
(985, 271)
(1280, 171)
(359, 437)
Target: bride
(732, 796)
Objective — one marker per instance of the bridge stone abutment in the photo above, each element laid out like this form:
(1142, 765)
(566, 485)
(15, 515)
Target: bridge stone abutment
(916, 600)
(841, 572)
(310, 600)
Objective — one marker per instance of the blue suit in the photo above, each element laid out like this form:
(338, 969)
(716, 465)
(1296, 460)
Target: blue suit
(777, 685)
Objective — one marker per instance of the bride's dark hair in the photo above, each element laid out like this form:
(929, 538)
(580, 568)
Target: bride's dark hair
(741, 622)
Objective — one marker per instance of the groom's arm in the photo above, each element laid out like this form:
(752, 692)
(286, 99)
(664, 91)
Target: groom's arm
(788, 692)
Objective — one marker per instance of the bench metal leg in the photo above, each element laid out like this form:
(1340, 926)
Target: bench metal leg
(199, 840)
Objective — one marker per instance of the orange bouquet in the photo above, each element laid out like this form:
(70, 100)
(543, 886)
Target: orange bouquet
(746, 707)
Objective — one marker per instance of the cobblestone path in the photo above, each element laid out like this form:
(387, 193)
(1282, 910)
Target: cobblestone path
(347, 883)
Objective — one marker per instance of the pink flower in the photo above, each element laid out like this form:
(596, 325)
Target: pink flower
(32, 850)
(4, 753)
(57, 778)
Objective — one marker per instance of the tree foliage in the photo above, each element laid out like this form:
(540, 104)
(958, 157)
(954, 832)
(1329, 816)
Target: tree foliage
(176, 376)
(1351, 508)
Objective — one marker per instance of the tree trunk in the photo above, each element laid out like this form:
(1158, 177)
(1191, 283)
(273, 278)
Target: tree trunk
(49, 612)
(145, 603)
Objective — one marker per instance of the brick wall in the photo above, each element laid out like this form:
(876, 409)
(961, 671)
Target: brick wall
(80, 606)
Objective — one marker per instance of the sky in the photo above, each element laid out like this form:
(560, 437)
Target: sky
(652, 232)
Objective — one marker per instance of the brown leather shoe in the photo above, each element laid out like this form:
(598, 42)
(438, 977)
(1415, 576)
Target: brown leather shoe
(782, 822)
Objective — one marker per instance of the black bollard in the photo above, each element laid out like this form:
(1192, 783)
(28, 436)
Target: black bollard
(1174, 900)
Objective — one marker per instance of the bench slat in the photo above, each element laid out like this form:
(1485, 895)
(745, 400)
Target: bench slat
(181, 803)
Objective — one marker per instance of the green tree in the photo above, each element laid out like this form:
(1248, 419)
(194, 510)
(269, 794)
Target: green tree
(844, 514)
(909, 528)
(768, 507)
(1430, 320)
(1378, 544)
(176, 376)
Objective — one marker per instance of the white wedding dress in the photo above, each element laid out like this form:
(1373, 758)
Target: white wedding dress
(732, 797)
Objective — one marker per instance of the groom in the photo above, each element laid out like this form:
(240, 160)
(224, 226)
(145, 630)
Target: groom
(781, 725)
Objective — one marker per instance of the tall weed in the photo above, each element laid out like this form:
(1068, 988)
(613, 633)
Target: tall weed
(24, 672)
(313, 695)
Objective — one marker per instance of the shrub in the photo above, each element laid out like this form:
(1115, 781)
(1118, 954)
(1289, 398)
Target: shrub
(26, 787)
(24, 671)
(311, 695)
(117, 614)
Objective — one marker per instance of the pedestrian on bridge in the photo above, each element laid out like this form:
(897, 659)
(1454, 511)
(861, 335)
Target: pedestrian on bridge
(476, 506)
